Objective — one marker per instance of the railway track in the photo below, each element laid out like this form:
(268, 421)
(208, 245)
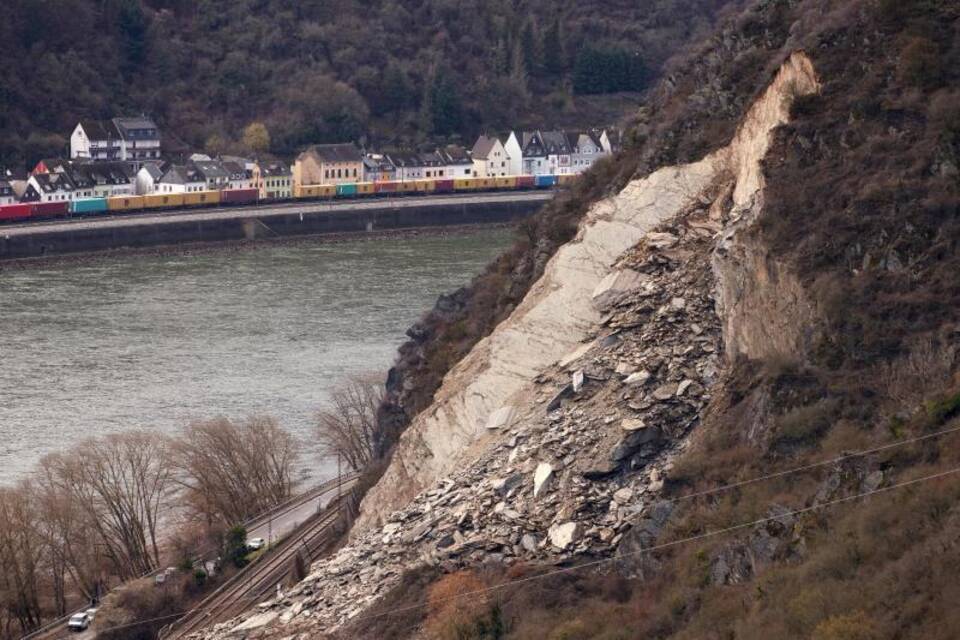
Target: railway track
(257, 582)
(57, 628)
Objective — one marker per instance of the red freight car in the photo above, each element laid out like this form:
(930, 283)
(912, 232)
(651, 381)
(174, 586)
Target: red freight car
(385, 187)
(444, 186)
(525, 182)
(15, 211)
(239, 196)
(50, 209)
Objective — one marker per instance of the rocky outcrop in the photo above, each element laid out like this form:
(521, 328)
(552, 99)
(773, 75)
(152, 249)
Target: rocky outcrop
(553, 439)
(558, 314)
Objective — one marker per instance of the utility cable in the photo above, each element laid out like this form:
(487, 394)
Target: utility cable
(604, 561)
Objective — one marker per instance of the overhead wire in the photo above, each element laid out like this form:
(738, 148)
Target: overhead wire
(604, 561)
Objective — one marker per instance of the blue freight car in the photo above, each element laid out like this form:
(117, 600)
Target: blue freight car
(89, 205)
(546, 181)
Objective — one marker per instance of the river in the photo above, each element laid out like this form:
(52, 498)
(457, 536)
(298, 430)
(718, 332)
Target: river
(155, 342)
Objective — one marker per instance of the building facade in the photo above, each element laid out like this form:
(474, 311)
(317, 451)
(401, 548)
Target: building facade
(328, 164)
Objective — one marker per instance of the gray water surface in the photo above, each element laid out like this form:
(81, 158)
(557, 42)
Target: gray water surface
(157, 342)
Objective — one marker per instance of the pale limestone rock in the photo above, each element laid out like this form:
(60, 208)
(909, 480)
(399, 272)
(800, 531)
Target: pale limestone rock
(541, 478)
(563, 535)
(502, 418)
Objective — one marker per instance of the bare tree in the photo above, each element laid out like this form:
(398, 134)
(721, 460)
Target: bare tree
(347, 428)
(21, 558)
(121, 481)
(231, 471)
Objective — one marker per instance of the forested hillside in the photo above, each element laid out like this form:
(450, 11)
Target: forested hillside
(398, 71)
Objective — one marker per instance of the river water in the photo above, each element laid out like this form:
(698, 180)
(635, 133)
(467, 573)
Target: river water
(156, 342)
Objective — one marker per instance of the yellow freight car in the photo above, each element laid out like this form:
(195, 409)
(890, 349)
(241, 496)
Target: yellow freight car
(485, 183)
(316, 191)
(125, 203)
(425, 186)
(465, 184)
(505, 182)
(365, 187)
(162, 201)
(199, 198)
(407, 186)
(566, 179)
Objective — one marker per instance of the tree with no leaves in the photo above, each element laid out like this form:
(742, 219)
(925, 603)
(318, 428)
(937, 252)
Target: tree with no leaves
(231, 471)
(120, 481)
(21, 557)
(348, 426)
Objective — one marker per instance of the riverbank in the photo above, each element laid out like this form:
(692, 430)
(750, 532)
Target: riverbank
(227, 247)
(91, 235)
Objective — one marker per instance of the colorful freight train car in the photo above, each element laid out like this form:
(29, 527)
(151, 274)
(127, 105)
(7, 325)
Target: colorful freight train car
(239, 197)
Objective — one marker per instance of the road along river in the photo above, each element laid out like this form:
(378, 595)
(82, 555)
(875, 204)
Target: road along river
(144, 341)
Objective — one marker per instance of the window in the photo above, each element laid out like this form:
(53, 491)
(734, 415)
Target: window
(354, 172)
(339, 174)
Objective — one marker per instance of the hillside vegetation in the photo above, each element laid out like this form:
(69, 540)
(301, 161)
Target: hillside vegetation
(398, 71)
(862, 206)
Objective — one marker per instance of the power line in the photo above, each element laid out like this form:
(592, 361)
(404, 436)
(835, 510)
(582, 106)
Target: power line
(808, 467)
(666, 545)
(716, 490)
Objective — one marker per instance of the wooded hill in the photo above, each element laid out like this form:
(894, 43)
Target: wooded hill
(398, 71)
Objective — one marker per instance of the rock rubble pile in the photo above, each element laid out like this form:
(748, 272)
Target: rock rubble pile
(565, 473)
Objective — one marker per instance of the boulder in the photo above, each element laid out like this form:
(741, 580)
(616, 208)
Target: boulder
(638, 377)
(632, 424)
(541, 478)
(563, 535)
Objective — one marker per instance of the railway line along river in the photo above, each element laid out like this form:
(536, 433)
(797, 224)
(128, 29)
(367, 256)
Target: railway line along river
(152, 341)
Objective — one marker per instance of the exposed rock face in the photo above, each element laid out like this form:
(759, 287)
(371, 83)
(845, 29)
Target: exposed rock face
(558, 313)
(568, 470)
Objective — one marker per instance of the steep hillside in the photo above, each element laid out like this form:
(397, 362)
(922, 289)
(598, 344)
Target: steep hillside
(388, 70)
(718, 397)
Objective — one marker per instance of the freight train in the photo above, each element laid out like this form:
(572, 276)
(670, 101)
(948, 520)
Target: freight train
(245, 197)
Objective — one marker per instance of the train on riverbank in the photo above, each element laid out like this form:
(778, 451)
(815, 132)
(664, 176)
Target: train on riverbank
(248, 197)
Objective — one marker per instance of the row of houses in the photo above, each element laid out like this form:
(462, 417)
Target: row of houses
(519, 153)
(124, 156)
(57, 180)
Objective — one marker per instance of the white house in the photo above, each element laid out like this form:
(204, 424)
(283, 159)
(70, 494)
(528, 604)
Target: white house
(130, 139)
(585, 149)
(559, 155)
(457, 162)
(489, 158)
(408, 165)
(148, 178)
(108, 178)
(181, 179)
(514, 150)
(528, 155)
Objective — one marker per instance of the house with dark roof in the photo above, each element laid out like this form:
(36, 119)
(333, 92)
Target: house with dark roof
(378, 167)
(181, 178)
(457, 162)
(107, 179)
(273, 179)
(585, 149)
(489, 157)
(52, 187)
(213, 173)
(148, 178)
(328, 164)
(408, 165)
(135, 139)
(528, 153)
(239, 177)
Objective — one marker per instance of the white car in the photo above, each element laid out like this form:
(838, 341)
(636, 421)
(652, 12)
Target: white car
(79, 622)
(255, 543)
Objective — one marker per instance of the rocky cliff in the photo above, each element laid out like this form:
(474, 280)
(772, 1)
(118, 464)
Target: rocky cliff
(553, 438)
